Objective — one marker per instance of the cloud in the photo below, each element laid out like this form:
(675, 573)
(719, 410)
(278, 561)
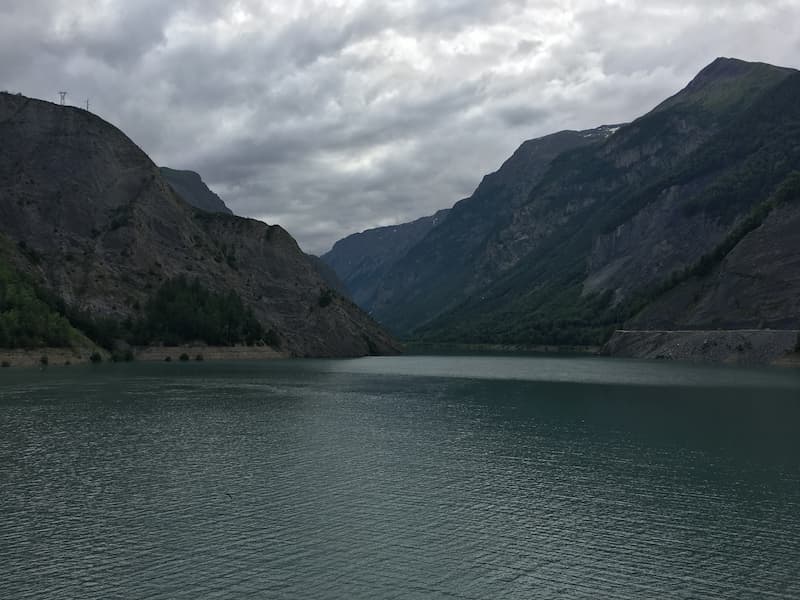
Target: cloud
(330, 117)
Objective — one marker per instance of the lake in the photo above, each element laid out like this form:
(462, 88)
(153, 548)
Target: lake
(482, 477)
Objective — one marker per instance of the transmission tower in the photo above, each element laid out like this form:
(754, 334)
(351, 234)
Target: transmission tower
(87, 105)
(63, 97)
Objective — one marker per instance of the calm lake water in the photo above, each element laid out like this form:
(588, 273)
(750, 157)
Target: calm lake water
(410, 477)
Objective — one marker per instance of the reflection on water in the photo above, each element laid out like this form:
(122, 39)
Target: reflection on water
(411, 477)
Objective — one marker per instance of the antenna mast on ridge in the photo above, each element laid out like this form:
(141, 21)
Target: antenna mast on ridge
(63, 97)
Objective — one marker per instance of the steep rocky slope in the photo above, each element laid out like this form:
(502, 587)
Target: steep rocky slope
(436, 273)
(753, 285)
(566, 248)
(361, 259)
(191, 187)
(329, 276)
(95, 222)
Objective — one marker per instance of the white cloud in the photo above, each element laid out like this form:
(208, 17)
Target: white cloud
(335, 116)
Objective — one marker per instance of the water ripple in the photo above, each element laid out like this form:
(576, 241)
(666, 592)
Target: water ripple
(317, 482)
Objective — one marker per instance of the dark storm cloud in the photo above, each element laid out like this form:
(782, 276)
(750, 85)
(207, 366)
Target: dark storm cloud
(329, 117)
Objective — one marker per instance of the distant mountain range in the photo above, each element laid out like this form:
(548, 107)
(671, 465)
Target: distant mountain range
(688, 217)
(362, 260)
(96, 236)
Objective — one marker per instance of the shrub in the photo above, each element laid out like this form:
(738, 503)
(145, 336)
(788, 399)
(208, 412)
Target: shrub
(325, 298)
(125, 355)
(199, 358)
(96, 358)
(43, 360)
(184, 357)
(168, 359)
(5, 364)
(272, 339)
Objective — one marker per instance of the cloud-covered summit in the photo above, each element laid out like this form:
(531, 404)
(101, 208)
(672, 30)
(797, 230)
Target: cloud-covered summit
(331, 117)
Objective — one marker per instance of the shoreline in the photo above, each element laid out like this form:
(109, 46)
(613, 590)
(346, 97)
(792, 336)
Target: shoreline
(161, 353)
(419, 347)
(776, 347)
(77, 356)
(743, 347)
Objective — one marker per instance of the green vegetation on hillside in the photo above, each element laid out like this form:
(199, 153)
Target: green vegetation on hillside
(180, 311)
(26, 318)
(736, 84)
(184, 311)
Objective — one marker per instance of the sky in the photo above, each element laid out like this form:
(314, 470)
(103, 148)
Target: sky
(331, 117)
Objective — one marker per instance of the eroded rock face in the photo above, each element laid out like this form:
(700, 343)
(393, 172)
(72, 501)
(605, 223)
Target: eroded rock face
(657, 241)
(92, 216)
(757, 285)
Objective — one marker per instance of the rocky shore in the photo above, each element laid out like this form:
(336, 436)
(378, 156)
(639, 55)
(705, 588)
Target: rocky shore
(437, 347)
(45, 356)
(75, 356)
(156, 353)
(745, 346)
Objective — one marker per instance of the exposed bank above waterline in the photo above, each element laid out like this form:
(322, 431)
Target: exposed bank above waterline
(72, 356)
(741, 346)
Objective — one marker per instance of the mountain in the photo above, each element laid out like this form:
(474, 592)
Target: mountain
(328, 275)
(91, 222)
(406, 274)
(360, 260)
(651, 223)
(750, 280)
(189, 186)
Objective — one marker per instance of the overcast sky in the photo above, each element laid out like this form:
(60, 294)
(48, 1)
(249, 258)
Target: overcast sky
(330, 117)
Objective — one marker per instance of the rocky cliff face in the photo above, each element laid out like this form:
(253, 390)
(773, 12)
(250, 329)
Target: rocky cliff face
(191, 188)
(96, 222)
(567, 241)
(361, 259)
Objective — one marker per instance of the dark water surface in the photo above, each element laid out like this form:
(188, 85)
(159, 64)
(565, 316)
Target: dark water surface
(412, 477)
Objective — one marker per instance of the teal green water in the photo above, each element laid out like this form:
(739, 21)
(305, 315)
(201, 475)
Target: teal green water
(409, 477)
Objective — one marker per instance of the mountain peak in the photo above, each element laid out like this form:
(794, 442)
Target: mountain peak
(733, 68)
(727, 83)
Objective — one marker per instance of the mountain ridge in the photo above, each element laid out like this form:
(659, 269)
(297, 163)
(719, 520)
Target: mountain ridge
(95, 223)
(603, 228)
